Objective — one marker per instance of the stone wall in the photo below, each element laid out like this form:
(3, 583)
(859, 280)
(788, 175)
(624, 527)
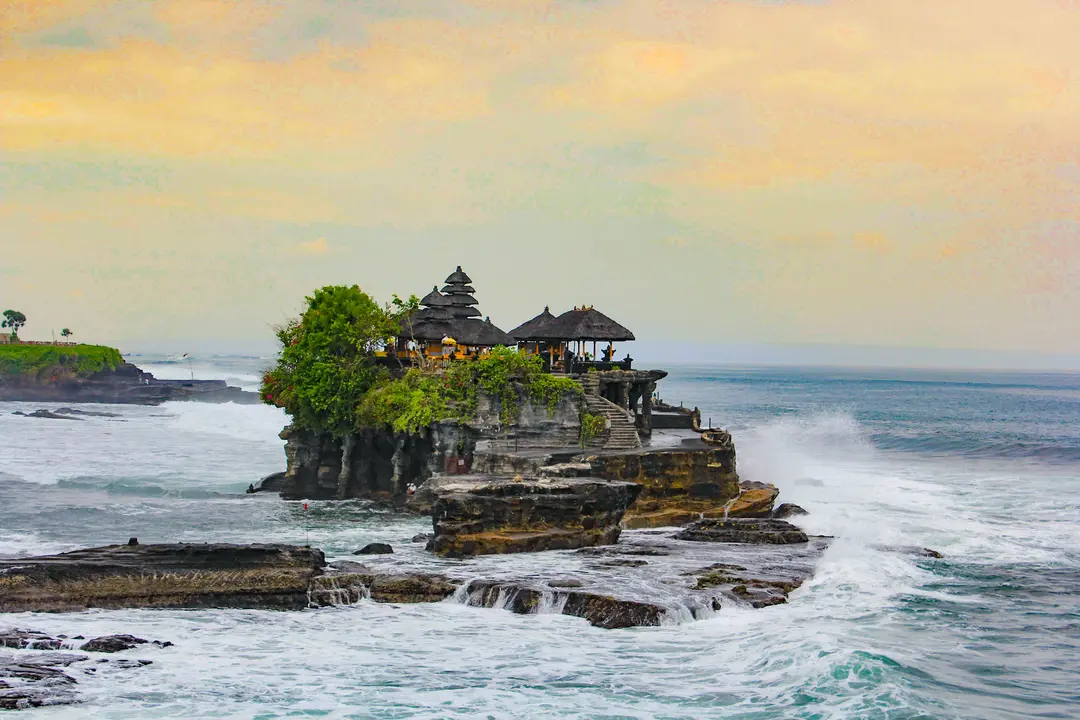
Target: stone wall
(535, 426)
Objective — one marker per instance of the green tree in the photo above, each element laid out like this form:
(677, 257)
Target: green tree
(13, 319)
(66, 333)
(327, 359)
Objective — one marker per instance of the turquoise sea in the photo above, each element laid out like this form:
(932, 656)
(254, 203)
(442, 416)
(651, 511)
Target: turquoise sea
(983, 467)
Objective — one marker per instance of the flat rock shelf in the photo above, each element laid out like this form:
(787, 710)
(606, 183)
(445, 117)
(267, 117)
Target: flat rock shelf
(651, 577)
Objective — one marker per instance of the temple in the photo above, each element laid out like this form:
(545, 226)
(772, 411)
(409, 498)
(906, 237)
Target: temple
(579, 343)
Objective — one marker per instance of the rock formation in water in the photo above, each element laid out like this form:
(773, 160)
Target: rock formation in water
(190, 576)
(124, 384)
(482, 515)
(38, 679)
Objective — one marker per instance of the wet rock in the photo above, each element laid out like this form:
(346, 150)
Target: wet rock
(385, 588)
(481, 515)
(657, 551)
(86, 413)
(270, 483)
(786, 510)
(678, 484)
(755, 501)
(912, 550)
(348, 566)
(113, 643)
(743, 530)
(25, 683)
(421, 537)
(192, 576)
(600, 610)
(28, 640)
(375, 548)
(569, 583)
(622, 562)
(39, 679)
(47, 414)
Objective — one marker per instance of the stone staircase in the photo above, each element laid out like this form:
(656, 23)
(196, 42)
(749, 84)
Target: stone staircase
(621, 433)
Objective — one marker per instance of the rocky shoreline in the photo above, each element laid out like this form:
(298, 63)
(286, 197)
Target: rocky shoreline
(124, 385)
(41, 676)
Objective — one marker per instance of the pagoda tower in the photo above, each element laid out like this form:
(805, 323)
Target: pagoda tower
(460, 294)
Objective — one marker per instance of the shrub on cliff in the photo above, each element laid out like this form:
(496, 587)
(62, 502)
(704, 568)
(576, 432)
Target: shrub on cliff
(413, 402)
(38, 360)
(327, 360)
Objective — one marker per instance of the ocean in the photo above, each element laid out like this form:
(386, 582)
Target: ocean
(982, 467)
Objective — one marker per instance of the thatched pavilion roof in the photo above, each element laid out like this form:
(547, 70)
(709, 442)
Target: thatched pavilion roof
(585, 324)
(534, 329)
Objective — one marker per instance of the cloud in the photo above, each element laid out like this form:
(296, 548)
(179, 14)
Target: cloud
(740, 145)
(318, 246)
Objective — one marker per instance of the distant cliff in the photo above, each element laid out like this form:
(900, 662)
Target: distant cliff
(96, 374)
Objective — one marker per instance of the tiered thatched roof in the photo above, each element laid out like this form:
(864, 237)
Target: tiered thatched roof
(453, 314)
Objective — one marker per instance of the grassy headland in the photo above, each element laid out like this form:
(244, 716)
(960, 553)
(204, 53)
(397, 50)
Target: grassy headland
(78, 360)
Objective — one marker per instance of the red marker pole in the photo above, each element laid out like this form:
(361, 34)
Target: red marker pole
(307, 536)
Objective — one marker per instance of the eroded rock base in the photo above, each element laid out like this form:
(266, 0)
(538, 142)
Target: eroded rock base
(178, 576)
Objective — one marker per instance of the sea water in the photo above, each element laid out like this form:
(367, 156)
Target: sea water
(983, 467)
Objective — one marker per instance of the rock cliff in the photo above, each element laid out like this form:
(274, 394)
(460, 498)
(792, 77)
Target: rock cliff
(482, 515)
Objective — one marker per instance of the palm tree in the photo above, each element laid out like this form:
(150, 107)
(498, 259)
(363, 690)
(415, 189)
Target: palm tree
(13, 319)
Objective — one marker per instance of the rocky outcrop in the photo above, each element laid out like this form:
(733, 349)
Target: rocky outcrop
(184, 576)
(39, 679)
(127, 384)
(648, 578)
(480, 515)
(678, 483)
(743, 530)
(371, 464)
(786, 510)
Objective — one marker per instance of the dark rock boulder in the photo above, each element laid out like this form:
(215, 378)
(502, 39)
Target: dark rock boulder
(118, 643)
(28, 639)
(913, 550)
(47, 414)
(786, 510)
(421, 537)
(375, 548)
(481, 515)
(270, 483)
(29, 680)
(600, 610)
(744, 530)
(192, 576)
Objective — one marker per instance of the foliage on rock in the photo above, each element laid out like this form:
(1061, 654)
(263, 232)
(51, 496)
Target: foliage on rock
(78, 360)
(591, 427)
(412, 403)
(327, 361)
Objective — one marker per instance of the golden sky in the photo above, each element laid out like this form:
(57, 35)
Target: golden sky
(882, 172)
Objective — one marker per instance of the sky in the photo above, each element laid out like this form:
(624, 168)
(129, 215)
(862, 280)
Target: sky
(898, 174)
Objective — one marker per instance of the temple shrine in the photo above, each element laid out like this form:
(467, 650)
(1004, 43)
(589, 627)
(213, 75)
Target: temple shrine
(578, 343)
